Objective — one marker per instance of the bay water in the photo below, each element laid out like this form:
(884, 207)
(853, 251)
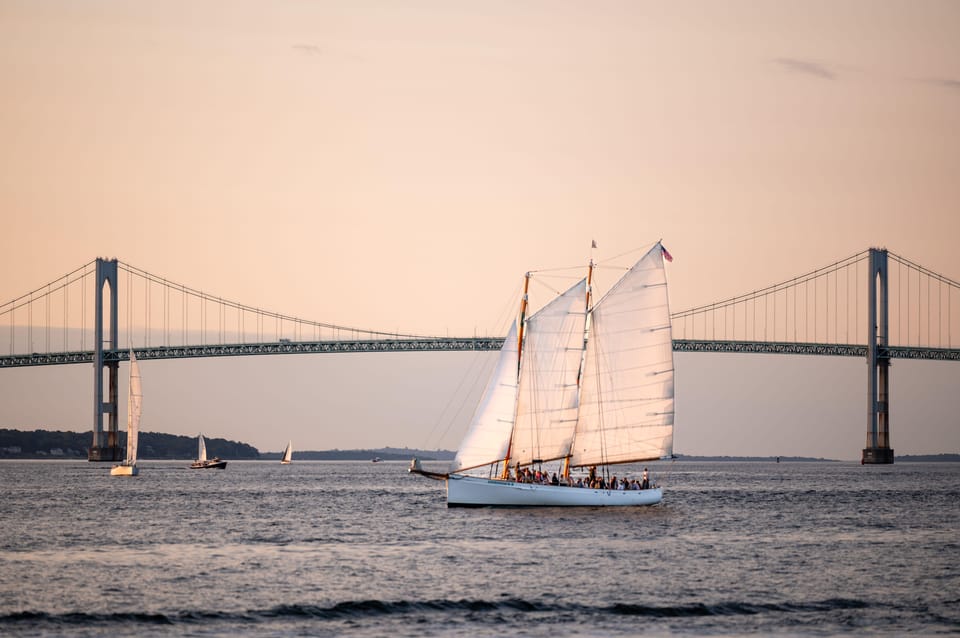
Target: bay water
(366, 549)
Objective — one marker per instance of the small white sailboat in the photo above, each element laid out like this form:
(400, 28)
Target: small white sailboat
(134, 406)
(578, 386)
(287, 454)
(202, 462)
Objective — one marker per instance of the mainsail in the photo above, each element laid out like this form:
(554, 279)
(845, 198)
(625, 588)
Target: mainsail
(134, 405)
(287, 453)
(626, 400)
(201, 450)
(620, 349)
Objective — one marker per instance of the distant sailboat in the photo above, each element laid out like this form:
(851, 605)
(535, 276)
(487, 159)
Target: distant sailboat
(579, 386)
(287, 454)
(134, 405)
(202, 463)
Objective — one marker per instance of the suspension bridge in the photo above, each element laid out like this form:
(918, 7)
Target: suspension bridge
(875, 304)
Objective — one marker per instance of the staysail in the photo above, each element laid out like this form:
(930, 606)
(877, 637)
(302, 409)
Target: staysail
(134, 406)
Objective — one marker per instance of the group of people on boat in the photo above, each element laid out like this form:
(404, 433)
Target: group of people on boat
(592, 480)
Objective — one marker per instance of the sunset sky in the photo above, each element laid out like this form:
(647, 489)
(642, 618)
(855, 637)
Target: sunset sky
(398, 166)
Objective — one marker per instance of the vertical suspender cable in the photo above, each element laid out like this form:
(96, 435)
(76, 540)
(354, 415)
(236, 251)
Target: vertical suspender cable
(66, 305)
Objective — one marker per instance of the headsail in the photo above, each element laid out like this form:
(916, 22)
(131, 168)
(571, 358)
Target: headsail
(626, 400)
(487, 438)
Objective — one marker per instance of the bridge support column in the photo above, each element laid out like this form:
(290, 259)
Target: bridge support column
(106, 445)
(877, 450)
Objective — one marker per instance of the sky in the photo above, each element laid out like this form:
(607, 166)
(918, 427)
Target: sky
(398, 165)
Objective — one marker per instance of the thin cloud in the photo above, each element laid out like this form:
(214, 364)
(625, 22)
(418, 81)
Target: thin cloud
(308, 49)
(946, 83)
(806, 67)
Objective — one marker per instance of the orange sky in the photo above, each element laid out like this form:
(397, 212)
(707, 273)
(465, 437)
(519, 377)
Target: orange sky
(398, 166)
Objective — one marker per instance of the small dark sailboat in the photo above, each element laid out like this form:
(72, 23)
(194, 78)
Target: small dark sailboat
(203, 463)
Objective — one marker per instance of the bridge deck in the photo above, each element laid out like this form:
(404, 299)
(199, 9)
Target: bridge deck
(452, 344)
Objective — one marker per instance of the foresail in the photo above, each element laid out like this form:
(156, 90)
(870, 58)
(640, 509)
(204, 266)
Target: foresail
(489, 433)
(134, 406)
(547, 401)
(626, 397)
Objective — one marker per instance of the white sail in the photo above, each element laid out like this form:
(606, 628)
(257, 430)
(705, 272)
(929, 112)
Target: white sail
(488, 436)
(547, 401)
(287, 453)
(626, 399)
(201, 449)
(134, 406)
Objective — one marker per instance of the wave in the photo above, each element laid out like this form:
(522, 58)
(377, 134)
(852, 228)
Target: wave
(382, 608)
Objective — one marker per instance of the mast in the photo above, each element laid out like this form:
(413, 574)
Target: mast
(505, 473)
(565, 471)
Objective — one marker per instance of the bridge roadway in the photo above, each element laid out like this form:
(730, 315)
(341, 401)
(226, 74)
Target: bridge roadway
(453, 344)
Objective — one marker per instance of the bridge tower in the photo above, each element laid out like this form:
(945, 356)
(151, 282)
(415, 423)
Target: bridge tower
(105, 446)
(878, 450)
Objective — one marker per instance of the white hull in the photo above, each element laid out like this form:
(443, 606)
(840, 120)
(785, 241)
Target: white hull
(469, 491)
(124, 470)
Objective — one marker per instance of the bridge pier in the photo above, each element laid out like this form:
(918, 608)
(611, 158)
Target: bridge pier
(877, 450)
(106, 445)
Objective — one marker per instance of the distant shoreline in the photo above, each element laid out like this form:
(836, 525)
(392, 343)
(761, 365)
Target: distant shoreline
(49, 444)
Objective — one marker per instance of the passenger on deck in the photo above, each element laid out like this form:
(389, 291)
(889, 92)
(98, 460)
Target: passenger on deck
(645, 481)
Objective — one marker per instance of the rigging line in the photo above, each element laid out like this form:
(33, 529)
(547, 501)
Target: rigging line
(545, 271)
(644, 248)
(476, 361)
(545, 285)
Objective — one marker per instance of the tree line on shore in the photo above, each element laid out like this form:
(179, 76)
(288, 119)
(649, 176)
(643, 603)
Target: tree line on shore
(51, 444)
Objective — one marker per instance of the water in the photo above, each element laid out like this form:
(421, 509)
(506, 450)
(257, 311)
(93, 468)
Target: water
(364, 549)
